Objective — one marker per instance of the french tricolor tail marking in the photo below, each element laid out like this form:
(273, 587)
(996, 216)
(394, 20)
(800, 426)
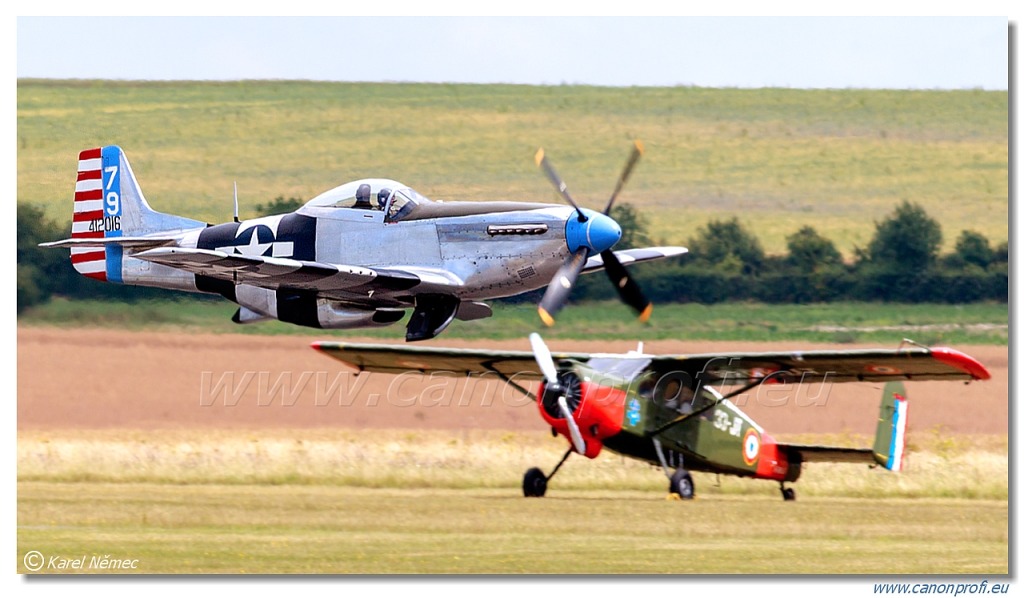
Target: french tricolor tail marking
(898, 440)
(89, 261)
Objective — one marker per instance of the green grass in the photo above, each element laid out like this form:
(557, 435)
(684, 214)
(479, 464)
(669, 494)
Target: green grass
(886, 324)
(779, 158)
(302, 529)
(373, 501)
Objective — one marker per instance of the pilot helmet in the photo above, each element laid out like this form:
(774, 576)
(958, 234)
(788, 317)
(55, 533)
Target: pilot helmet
(363, 195)
(382, 197)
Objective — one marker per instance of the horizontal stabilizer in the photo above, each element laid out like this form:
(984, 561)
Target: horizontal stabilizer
(806, 453)
(132, 242)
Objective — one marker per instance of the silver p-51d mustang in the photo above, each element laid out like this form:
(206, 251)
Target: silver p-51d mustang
(358, 255)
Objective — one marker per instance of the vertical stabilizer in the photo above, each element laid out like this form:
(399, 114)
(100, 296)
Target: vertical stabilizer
(890, 436)
(109, 204)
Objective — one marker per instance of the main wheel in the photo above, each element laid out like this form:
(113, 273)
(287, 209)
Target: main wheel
(535, 483)
(788, 494)
(681, 484)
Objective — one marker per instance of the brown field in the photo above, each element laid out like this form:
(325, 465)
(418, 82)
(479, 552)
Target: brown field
(110, 379)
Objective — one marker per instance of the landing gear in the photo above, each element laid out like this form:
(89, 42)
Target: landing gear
(681, 484)
(432, 315)
(535, 483)
(787, 493)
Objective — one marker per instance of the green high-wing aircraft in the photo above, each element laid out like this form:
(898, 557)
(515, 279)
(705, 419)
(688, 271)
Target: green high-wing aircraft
(675, 410)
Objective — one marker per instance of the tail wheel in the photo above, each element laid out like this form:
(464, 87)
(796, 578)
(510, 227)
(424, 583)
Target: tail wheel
(535, 483)
(682, 484)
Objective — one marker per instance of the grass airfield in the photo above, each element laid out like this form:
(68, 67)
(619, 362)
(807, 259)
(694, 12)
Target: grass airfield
(339, 529)
(429, 502)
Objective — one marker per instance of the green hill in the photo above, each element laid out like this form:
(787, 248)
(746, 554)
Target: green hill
(779, 159)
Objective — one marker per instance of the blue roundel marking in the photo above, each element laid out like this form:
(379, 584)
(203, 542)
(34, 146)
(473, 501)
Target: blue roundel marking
(633, 412)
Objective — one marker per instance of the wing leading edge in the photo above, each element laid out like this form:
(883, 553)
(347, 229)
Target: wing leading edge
(870, 365)
(392, 359)
(273, 272)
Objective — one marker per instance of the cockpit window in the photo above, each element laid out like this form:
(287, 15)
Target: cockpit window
(359, 201)
(403, 201)
(372, 195)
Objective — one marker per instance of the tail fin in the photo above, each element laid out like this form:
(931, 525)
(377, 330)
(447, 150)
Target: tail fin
(110, 204)
(890, 436)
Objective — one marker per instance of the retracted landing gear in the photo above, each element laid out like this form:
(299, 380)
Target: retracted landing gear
(787, 493)
(432, 315)
(535, 483)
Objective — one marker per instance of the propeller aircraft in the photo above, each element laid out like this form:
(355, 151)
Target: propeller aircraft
(675, 411)
(358, 255)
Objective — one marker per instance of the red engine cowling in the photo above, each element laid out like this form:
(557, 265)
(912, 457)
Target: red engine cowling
(598, 410)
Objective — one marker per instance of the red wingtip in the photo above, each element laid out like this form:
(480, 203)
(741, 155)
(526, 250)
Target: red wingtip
(961, 361)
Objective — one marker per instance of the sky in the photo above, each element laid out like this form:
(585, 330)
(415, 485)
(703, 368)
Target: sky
(798, 52)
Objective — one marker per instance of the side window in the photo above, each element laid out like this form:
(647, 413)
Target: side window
(673, 390)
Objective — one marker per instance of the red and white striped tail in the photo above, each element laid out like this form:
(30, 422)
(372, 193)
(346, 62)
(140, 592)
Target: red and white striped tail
(90, 261)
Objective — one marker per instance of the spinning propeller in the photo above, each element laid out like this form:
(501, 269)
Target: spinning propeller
(552, 385)
(589, 233)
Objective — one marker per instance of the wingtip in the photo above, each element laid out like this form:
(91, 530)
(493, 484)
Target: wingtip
(646, 313)
(545, 317)
(539, 156)
(639, 145)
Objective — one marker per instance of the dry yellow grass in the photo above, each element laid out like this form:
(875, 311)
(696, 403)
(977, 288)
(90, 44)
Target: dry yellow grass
(972, 468)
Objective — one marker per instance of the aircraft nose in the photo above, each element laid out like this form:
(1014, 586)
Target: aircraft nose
(597, 233)
(603, 233)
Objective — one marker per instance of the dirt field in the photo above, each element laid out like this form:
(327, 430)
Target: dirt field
(95, 378)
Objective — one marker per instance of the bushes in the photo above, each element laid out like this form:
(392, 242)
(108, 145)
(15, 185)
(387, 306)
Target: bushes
(900, 264)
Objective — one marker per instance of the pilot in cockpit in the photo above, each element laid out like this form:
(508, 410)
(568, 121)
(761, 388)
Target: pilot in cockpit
(363, 198)
(382, 197)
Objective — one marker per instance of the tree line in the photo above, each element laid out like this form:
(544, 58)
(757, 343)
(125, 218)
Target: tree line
(726, 262)
(901, 263)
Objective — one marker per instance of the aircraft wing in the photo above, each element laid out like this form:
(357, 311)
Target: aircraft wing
(872, 365)
(273, 272)
(461, 362)
(634, 256)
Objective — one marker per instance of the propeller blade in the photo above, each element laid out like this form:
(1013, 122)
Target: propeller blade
(628, 289)
(557, 181)
(574, 430)
(634, 157)
(560, 286)
(543, 357)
